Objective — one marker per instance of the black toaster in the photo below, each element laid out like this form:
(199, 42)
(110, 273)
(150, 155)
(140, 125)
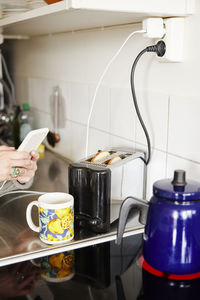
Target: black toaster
(101, 182)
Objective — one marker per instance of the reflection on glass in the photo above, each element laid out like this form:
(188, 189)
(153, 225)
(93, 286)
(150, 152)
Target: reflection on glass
(18, 280)
(56, 268)
(157, 288)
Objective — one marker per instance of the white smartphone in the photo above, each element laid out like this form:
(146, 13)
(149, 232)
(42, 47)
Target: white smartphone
(33, 140)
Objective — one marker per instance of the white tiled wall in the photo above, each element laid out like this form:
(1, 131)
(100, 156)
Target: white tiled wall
(168, 95)
(155, 110)
(122, 113)
(184, 127)
(101, 109)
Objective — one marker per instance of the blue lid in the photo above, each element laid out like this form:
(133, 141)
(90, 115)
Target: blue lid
(177, 189)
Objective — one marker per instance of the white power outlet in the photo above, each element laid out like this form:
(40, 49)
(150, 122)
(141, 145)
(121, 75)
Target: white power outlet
(174, 40)
(154, 27)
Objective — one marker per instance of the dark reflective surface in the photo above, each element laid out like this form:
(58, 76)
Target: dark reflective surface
(88, 273)
(155, 288)
(103, 271)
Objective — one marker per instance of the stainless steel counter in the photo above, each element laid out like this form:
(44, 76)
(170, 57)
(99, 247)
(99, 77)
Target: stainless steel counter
(19, 243)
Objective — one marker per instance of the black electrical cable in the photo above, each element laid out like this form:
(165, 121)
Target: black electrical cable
(137, 108)
(160, 49)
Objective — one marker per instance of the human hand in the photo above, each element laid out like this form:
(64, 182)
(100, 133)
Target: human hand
(34, 155)
(9, 158)
(5, 148)
(19, 280)
(25, 163)
(29, 171)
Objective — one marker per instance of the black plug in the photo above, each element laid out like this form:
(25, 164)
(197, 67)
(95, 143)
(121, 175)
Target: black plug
(159, 48)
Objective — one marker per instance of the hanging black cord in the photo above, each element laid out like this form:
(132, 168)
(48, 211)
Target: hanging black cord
(160, 49)
(137, 108)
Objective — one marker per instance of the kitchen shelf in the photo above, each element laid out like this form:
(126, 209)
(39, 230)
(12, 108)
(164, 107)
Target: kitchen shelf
(22, 244)
(19, 243)
(70, 15)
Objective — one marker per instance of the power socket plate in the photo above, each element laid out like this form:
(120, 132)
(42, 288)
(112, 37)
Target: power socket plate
(174, 40)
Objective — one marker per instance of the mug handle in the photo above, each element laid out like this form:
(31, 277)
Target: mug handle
(35, 263)
(29, 218)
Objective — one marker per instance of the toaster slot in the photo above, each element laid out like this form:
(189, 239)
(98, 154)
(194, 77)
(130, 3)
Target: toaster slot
(112, 160)
(99, 156)
(107, 157)
(116, 158)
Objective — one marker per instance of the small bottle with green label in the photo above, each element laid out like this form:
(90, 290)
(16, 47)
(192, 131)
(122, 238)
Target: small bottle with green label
(26, 121)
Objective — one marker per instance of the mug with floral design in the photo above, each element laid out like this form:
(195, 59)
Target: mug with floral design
(57, 267)
(56, 217)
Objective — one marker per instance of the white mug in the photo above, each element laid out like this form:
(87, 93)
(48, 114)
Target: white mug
(57, 267)
(56, 217)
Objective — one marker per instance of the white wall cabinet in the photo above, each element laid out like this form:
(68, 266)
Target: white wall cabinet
(69, 15)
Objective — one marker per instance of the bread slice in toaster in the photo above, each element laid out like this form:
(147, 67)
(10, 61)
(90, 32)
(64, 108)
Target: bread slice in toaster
(114, 160)
(100, 156)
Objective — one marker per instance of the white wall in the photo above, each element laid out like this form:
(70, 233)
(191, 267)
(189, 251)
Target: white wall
(168, 94)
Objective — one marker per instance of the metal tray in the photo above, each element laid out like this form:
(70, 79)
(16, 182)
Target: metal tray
(19, 243)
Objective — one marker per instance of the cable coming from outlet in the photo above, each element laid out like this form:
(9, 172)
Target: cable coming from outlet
(99, 83)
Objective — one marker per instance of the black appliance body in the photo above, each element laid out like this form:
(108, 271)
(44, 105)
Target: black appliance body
(99, 188)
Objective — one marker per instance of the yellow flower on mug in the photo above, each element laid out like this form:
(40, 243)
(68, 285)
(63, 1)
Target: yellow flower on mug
(68, 261)
(57, 260)
(55, 226)
(40, 209)
(66, 223)
(63, 273)
(63, 212)
(51, 238)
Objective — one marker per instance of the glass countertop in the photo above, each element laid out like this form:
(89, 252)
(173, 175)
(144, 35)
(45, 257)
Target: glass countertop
(104, 271)
(19, 243)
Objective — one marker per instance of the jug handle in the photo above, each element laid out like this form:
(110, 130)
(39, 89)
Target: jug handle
(127, 205)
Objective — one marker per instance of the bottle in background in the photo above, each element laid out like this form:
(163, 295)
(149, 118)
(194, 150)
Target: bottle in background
(16, 126)
(25, 121)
